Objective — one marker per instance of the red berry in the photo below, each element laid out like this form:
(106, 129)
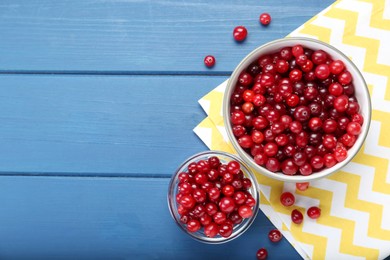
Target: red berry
(265, 18)
(329, 160)
(274, 235)
(306, 169)
(219, 217)
(315, 123)
(335, 89)
(302, 186)
(341, 103)
(227, 205)
(211, 208)
(354, 128)
(240, 33)
(193, 225)
(314, 212)
(211, 230)
(322, 71)
(187, 201)
(209, 61)
(297, 50)
(319, 57)
(296, 216)
(226, 229)
(245, 211)
(288, 167)
(340, 154)
(345, 78)
(336, 67)
(261, 254)
(287, 199)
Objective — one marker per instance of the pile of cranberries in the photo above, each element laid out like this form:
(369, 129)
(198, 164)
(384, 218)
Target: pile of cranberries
(295, 111)
(214, 196)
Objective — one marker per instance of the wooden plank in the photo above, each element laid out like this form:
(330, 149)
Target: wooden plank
(116, 125)
(139, 36)
(108, 218)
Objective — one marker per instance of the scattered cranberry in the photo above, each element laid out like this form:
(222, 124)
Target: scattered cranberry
(302, 186)
(296, 101)
(209, 61)
(262, 254)
(240, 33)
(265, 18)
(296, 216)
(274, 235)
(287, 199)
(314, 212)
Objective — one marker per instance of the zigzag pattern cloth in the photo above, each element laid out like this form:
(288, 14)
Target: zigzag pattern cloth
(355, 202)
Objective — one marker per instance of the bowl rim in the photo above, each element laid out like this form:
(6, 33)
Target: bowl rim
(249, 160)
(171, 199)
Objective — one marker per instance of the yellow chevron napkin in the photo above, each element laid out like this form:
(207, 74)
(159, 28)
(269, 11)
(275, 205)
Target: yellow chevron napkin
(355, 202)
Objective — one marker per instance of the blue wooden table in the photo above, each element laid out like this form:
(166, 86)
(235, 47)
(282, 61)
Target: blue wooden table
(97, 105)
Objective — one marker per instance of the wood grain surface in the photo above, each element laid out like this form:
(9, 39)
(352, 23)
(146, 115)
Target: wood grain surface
(97, 105)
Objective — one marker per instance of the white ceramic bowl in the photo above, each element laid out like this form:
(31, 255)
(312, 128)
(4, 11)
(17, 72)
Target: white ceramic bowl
(361, 93)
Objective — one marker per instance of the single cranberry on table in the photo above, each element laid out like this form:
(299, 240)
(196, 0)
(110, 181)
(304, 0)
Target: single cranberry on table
(274, 235)
(240, 33)
(265, 18)
(302, 186)
(296, 216)
(314, 212)
(209, 61)
(262, 254)
(287, 199)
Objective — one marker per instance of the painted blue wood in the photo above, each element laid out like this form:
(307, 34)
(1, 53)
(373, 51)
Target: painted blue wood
(116, 125)
(139, 36)
(108, 218)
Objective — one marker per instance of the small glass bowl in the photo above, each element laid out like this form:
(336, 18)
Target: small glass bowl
(173, 190)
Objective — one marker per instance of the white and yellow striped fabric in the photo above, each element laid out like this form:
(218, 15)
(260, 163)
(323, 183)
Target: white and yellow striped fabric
(355, 202)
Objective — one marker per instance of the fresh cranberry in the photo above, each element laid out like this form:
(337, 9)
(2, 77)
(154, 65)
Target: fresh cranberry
(245, 141)
(296, 216)
(329, 141)
(329, 126)
(329, 160)
(302, 113)
(302, 186)
(250, 201)
(265, 18)
(214, 162)
(287, 199)
(319, 57)
(219, 217)
(340, 153)
(235, 218)
(187, 201)
(261, 254)
(336, 67)
(274, 235)
(226, 229)
(211, 230)
(317, 162)
(341, 103)
(239, 197)
(314, 212)
(226, 204)
(322, 71)
(209, 61)
(240, 33)
(193, 225)
(270, 149)
(297, 50)
(288, 167)
(306, 169)
(245, 211)
(315, 123)
(354, 128)
(345, 78)
(211, 208)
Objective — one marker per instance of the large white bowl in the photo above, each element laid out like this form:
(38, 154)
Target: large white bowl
(361, 93)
